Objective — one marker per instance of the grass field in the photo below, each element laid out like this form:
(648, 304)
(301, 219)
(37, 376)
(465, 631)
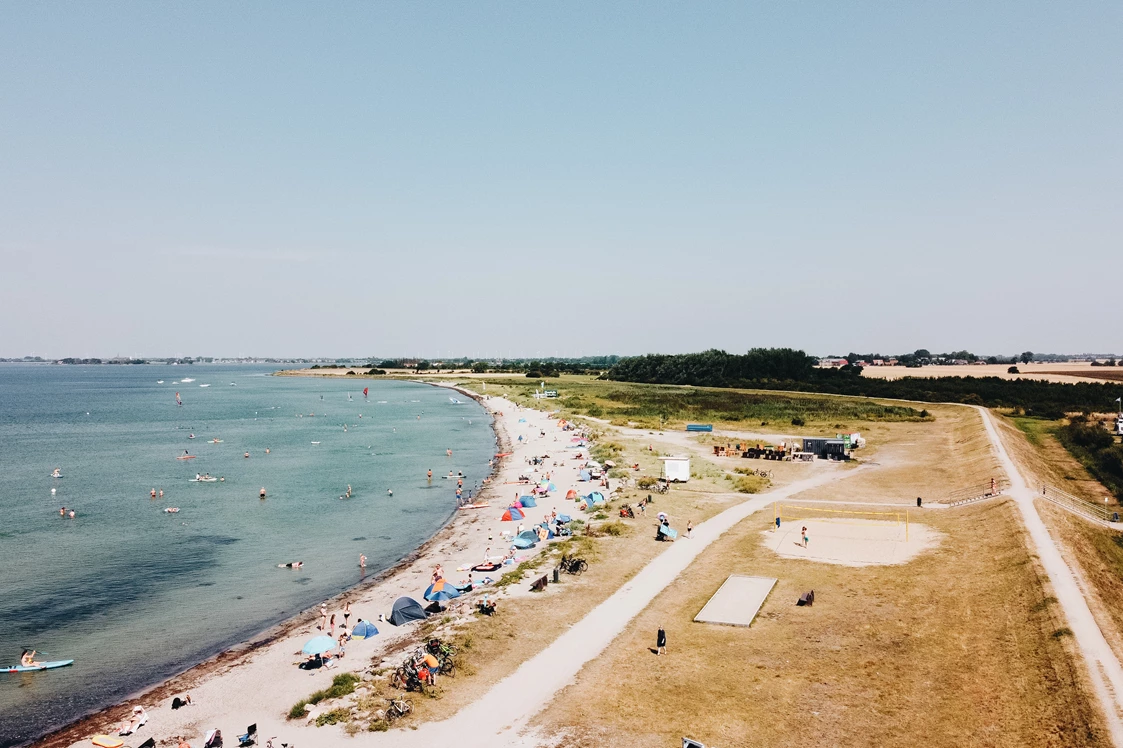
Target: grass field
(659, 406)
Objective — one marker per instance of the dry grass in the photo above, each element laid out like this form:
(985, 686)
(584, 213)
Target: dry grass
(928, 459)
(1095, 554)
(961, 646)
(1043, 459)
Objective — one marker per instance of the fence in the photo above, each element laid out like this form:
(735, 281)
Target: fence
(1076, 505)
(976, 493)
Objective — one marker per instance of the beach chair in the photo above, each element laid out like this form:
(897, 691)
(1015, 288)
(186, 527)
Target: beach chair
(250, 737)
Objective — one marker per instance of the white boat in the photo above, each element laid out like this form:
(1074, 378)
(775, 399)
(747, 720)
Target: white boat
(204, 385)
(187, 379)
(233, 384)
(159, 381)
(315, 442)
(204, 479)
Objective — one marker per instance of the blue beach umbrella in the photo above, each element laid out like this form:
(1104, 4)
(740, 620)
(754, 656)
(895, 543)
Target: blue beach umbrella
(440, 591)
(363, 630)
(318, 645)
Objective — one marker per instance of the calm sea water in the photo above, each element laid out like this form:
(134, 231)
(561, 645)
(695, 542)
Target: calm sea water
(134, 594)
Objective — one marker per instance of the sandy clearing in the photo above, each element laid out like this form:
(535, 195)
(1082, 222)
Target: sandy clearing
(1104, 670)
(853, 542)
(1049, 372)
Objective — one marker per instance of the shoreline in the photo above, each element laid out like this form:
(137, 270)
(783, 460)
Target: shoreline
(238, 653)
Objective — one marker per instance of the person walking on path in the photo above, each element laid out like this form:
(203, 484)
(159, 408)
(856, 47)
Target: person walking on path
(690, 529)
(805, 537)
(661, 642)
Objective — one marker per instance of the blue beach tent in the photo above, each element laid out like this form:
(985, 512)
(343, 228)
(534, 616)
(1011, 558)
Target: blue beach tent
(407, 609)
(525, 539)
(527, 501)
(364, 630)
(583, 475)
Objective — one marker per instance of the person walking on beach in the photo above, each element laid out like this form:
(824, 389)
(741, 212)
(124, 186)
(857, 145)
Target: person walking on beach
(323, 616)
(346, 613)
(805, 537)
(332, 624)
(661, 642)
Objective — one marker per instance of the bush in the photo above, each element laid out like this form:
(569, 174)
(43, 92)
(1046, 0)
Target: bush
(1013, 370)
(750, 483)
(615, 529)
(797, 421)
(647, 482)
(298, 709)
(350, 373)
(341, 685)
(335, 716)
(375, 372)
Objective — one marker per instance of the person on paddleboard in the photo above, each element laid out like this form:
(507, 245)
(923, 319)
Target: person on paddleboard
(27, 659)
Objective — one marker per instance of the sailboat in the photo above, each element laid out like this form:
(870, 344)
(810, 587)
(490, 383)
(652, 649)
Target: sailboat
(177, 400)
(365, 390)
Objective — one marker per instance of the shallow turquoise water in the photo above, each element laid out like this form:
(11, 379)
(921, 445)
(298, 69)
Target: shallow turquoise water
(135, 594)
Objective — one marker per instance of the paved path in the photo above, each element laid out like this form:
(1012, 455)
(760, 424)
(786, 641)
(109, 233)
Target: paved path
(1103, 666)
(497, 718)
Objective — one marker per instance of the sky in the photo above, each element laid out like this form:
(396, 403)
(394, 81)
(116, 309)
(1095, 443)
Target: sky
(573, 178)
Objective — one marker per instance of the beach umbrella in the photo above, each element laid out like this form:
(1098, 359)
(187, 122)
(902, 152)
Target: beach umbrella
(363, 630)
(440, 590)
(319, 644)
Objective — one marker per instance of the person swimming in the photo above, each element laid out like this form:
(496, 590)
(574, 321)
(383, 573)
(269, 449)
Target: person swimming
(291, 565)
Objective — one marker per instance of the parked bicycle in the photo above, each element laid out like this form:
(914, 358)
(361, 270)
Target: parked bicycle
(573, 565)
(398, 707)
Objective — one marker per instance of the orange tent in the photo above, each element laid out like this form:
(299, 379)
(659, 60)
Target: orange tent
(571, 494)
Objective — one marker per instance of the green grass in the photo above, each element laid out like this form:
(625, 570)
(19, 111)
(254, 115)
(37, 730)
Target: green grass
(658, 406)
(750, 483)
(1034, 428)
(341, 685)
(333, 717)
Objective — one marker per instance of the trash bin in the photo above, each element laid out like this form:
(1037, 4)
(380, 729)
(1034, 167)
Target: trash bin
(1115, 517)
(918, 500)
(555, 575)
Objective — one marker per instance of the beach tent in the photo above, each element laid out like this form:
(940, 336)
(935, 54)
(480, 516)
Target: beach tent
(596, 497)
(564, 518)
(571, 494)
(513, 514)
(441, 590)
(364, 630)
(525, 539)
(549, 532)
(583, 475)
(406, 609)
(527, 501)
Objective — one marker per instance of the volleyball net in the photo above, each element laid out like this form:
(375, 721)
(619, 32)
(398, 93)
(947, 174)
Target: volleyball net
(802, 513)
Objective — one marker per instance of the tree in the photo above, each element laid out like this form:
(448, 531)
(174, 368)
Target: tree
(480, 367)
(1013, 370)
(922, 353)
(423, 365)
(1026, 357)
(992, 359)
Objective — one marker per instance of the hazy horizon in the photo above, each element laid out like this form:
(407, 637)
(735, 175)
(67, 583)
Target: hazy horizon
(527, 180)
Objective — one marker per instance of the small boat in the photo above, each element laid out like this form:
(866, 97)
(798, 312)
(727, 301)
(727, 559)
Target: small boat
(172, 510)
(204, 385)
(203, 479)
(159, 381)
(315, 442)
(43, 666)
(187, 379)
(477, 505)
(190, 436)
(233, 384)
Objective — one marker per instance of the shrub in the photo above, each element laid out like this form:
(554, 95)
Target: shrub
(615, 529)
(1013, 370)
(750, 483)
(375, 372)
(298, 709)
(647, 482)
(341, 685)
(335, 716)
(797, 421)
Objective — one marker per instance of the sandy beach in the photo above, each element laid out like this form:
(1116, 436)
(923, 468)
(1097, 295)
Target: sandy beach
(258, 681)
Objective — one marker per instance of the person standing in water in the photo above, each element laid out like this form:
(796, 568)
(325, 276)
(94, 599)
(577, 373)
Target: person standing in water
(261, 493)
(362, 563)
(430, 475)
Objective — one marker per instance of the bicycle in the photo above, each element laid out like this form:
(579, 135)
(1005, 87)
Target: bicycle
(269, 743)
(398, 707)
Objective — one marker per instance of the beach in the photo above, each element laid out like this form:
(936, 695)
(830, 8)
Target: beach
(257, 681)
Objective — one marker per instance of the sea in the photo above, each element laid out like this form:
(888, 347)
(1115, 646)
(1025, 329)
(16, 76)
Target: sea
(135, 594)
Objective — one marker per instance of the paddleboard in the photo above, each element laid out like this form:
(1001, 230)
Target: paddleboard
(44, 666)
(107, 741)
(186, 457)
(482, 505)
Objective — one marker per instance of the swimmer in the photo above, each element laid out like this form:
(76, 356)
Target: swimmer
(267, 450)
(389, 492)
(152, 493)
(246, 455)
(161, 493)
(62, 512)
(261, 493)
(348, 490)
(430, 474)
(291, 565)
(448, 452)
(362, 561)
(71, 515)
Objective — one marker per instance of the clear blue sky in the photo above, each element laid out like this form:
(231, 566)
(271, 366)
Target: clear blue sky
(559, 178)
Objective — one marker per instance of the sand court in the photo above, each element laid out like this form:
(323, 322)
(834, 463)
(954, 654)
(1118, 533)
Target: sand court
(852, 542)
